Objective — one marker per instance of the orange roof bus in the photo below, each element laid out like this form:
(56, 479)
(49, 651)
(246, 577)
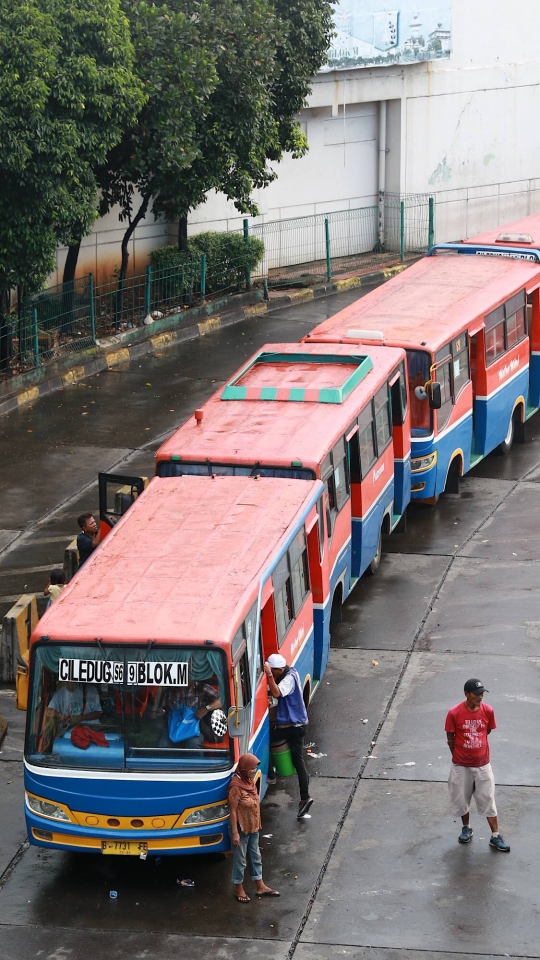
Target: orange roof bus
(463, 324)
(306, 411)
(146, 675)
(519, 240)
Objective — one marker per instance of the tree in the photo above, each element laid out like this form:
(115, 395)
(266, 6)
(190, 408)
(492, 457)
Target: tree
(176, 66)
(67, 89)
(272, 52)
(230, 107)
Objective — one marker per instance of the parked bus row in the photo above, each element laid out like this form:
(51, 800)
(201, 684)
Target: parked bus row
(146, 675)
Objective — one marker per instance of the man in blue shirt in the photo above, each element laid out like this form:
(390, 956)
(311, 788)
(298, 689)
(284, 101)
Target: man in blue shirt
(291, 719)
(88, 540)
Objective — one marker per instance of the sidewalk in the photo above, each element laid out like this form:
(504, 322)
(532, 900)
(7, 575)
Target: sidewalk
(176, 328)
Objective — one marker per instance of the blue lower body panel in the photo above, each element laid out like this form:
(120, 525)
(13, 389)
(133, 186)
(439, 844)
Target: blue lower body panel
(492, 416)
(365, 532)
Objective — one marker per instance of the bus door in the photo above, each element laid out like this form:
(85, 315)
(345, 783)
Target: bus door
(401, 436)
(116, 494)
(319, 578)
(533, 326)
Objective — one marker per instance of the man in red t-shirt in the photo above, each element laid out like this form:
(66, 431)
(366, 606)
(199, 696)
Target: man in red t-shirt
(468, 726)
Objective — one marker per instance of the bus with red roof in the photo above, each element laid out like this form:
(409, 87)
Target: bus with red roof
(519, 240)
(307, 411)
(146, 676)
(462, 321)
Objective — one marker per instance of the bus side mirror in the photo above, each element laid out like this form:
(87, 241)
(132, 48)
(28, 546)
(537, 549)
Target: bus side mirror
(237, 721)
(433, 391)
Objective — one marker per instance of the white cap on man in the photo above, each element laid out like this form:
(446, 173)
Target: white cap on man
(276, 661)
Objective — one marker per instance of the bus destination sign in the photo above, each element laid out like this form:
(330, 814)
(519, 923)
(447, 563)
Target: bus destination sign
(134, 673)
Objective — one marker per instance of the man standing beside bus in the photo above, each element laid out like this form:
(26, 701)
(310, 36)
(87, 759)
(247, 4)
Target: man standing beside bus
(468, 726)
(291, 719)
(89, 539)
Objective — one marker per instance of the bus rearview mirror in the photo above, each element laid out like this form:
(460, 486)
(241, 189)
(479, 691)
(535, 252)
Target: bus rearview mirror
(433, 391)
(236, 721)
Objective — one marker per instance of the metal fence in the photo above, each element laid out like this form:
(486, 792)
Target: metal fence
(70, 317)
(326, 244)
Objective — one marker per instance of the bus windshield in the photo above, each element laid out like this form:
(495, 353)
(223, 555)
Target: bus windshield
(178, 468)
(128, 708)
(418, 363)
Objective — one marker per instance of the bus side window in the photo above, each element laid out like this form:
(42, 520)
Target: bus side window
(299, 570)
(444, 377)
(494, 325)
(366, 439)
(398, 397)
(341, 478)
(460, 364)
(382, 419)
(244, 692)
(283, 601)
(320, 515)
(516, 323)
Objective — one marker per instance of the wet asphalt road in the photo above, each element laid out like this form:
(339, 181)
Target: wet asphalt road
(376, 872)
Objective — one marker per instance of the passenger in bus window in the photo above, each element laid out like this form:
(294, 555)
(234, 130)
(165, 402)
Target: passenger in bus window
(69, 705)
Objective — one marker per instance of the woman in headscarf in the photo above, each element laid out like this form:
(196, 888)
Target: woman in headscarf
(245, 813)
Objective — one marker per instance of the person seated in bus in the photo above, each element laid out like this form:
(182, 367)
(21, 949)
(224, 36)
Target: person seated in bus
(201, 697)
(71, 704)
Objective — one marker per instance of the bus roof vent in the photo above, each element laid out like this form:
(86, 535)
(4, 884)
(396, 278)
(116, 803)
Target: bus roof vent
(301, 377)
(514, 238)
(365, 335)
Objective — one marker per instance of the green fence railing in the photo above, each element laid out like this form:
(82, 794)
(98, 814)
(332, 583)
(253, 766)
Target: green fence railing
(327, 244)
(70, 317)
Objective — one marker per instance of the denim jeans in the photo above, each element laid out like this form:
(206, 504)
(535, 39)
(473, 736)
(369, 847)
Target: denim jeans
(249, 852)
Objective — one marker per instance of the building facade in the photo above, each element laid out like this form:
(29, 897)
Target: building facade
(462, 128)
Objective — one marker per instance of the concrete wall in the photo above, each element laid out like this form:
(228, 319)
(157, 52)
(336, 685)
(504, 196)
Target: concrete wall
(464, 129)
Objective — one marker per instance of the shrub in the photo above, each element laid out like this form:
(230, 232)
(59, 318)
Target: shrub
(228, 257)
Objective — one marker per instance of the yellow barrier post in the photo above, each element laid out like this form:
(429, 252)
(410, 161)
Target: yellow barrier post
(17, 627)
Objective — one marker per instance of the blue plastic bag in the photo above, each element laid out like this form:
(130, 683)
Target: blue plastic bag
(183, 724)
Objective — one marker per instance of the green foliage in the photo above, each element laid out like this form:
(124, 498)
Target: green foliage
(228, 257)
(67, 90)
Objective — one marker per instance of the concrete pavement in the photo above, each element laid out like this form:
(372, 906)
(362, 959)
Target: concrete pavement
(377, 871)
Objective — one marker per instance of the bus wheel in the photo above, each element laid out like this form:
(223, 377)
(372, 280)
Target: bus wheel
(376, 562)
(452, 478)
(506, 445)
(520, 428)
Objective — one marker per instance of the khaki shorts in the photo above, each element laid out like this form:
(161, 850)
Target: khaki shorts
(466, 782)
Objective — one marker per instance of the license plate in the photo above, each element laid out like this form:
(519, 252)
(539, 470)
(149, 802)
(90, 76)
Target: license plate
(123, 848)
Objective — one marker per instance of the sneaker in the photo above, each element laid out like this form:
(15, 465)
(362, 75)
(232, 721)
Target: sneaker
(303, 808)
(498, 843)
(271, 780)
(465, 835)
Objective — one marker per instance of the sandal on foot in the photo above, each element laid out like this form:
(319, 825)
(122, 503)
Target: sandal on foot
(269, 893)
(245, 899)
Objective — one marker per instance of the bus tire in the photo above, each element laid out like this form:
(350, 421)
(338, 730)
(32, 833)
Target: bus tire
(376, 562)
(453, 477)
(506, 445)
(520, 427)
(336, 612)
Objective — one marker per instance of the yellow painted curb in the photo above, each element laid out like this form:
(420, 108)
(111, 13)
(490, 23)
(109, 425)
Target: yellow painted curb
(119, 356)
(393, 271)
(298, 296)
(162, 340)
(255, 310)
(76, 374)
(28, 395)
(213, 323)
(348, 284)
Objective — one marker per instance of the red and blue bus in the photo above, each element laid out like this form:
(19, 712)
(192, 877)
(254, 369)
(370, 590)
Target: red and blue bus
(519, 240)
(146, 675)
(462, 321)
(304, 411)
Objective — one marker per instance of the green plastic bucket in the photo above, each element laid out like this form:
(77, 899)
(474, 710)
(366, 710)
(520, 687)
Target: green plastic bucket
(282, 760)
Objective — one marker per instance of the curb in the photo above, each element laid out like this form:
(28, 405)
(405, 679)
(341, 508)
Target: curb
(137, 343)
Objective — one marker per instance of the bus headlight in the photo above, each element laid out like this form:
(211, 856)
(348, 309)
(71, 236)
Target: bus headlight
(423, 463)
(206, 814)
(44, 808)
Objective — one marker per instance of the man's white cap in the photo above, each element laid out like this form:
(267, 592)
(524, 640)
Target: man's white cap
(276, 661)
